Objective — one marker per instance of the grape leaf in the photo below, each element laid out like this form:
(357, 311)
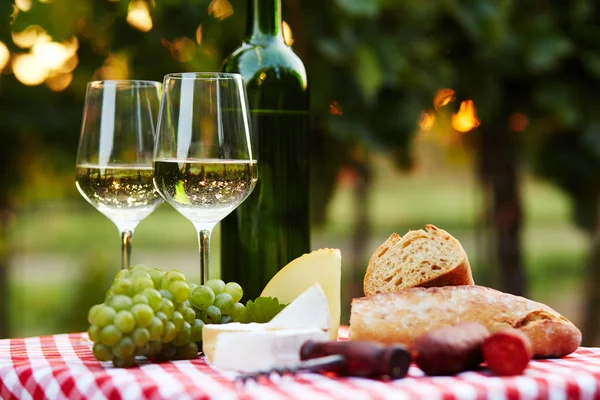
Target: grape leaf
(261, 310)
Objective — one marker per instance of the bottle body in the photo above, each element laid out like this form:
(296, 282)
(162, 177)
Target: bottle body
(272, 226)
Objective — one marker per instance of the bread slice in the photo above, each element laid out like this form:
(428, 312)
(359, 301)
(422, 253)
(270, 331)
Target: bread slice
(403, 316)
(419, 259)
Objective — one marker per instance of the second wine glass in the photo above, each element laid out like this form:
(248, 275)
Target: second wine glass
(204, 163)
(114, 159)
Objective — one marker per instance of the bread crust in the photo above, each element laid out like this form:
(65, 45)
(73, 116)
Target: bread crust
(459, 274)
(402, 316)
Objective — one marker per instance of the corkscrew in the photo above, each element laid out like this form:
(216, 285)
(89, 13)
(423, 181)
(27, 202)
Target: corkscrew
(360, 359)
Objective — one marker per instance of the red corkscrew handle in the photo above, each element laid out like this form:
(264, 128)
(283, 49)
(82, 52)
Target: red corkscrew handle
(362, 359)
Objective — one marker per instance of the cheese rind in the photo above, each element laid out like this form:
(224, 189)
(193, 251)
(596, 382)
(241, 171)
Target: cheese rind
(322, 266)
(309, 310)
(257, 351)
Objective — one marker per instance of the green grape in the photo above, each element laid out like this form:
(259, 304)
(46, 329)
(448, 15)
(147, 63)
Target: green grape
(189, 351)
(92, 312)
(169, 332)
(180, 290)
(198, 313)
(110, 335)
(237, 309)
(235, 290)
(141, 336)
(156, 328)
(122, 274)
(211, 315)
(102, 352)
(142, 351)
(166, 294)
(121, 286)
(127, 362)
(154, 298)
(141, 283)
(143, 314)
(120, 302)
(104, 316)
(157, 276)
(124, 321)
(193, 286)
(197, 326)
(177, 320)
(168, 351)
(94, 333)
(172, 275)
(143, 267)
(202, 297)
(138, 273)
(184, 335)
(224, 302)
(189, 315)
(154, 348)
(163, 318)
(125, 348)
(216, 285)
(167, 307)
(140, 299)
(225, 319)
(181, 307)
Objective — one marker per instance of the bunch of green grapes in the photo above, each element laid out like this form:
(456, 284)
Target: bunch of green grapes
(217, 302)
(147, 312)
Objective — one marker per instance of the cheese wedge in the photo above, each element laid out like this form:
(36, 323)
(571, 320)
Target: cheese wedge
(309, 310)
(256, 351)
(211, 332)
(322, 266)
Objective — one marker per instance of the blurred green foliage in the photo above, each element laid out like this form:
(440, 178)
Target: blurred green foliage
(378, 63)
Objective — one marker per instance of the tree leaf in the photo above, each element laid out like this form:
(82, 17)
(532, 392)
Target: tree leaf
(359, 8)
(368, 72)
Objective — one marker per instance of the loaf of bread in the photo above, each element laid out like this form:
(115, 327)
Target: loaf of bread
(403, 316)
(418, 259)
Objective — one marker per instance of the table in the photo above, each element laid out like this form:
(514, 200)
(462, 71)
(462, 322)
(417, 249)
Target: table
(62, 366)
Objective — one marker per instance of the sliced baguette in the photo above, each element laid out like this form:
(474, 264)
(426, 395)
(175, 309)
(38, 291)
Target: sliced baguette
(403, 316)
(419, 259)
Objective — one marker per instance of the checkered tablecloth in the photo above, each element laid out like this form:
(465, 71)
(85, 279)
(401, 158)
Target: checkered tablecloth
(62, 366)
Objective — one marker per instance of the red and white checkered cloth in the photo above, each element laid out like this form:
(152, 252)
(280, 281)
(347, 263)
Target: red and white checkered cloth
(62, 366)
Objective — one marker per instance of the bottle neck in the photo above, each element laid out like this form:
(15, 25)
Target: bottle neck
(264, 21)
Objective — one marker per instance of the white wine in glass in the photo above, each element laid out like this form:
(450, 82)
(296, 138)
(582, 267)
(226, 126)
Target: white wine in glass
(203, 158)
(214, 187)
(114, 170)
(123, 193)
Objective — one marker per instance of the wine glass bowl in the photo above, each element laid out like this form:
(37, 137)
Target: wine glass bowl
(114, 170)
(125, 194)
(205, 191)
(204, 163)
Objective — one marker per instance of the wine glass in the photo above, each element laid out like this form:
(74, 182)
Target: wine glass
(114, 160)
(204, 163)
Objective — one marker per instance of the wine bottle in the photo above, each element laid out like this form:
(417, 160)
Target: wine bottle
(272, 226)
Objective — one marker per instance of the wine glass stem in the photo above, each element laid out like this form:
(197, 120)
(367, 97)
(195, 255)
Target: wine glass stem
(204, 232)
(126, 237)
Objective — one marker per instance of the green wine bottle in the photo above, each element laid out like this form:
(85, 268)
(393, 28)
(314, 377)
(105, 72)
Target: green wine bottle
(272, 226)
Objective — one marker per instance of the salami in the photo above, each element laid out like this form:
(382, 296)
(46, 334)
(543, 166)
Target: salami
(507, 352)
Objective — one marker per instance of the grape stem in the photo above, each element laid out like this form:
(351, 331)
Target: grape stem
(126, 237)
